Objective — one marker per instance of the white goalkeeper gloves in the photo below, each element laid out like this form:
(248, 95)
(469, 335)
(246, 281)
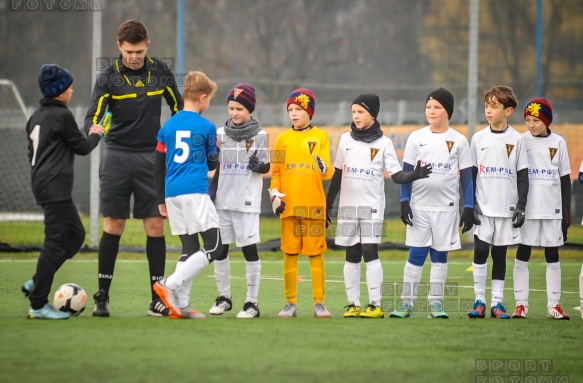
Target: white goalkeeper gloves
(277, 204)
(321, 164)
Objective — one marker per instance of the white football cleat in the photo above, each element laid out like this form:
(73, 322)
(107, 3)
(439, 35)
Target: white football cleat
(521, 311)
(556, 312)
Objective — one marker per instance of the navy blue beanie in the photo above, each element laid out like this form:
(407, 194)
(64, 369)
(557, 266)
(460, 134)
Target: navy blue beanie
(53, 80)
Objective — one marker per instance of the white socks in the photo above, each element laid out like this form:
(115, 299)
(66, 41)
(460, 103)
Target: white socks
(553, 284)
(223, 277)
(497, 292)
(183, 292)
(352, 282)
(189, 269)
(411, 279)
(437, 279)
(374, 281)
(253, 271)
(480, 272)
(521, 282)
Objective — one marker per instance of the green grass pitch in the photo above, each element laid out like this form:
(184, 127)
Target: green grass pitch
(132, 347)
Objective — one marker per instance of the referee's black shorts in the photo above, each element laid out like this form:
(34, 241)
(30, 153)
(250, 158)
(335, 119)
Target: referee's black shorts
(122, 174)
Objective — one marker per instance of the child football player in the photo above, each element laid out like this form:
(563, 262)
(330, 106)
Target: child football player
(185, 153)
(363, 155)
(430, 208)
(500, 170)
(237, 182)
(297, 196)
(53, 140)
(547, 209)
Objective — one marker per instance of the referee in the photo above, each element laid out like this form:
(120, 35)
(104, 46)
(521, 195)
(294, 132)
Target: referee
(132, 89)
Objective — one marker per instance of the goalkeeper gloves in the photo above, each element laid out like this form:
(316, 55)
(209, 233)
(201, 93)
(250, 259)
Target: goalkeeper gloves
(277, 204)
(321, 164)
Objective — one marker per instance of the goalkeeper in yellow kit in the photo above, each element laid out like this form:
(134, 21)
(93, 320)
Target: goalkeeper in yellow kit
(301, 161)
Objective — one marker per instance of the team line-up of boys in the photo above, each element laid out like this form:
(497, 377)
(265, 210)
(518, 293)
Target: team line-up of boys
(515, 189)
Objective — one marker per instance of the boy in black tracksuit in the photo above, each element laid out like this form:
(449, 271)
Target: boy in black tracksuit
(53, 140)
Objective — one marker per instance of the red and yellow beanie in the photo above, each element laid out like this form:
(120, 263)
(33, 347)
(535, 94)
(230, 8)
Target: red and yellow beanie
(304, 98)
(540, 108)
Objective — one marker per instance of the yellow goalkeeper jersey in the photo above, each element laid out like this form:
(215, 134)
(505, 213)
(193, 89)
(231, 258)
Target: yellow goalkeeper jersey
(296, 174)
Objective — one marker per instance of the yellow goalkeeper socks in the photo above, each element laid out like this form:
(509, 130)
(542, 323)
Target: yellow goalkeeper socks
(290, 277)
(317, 274)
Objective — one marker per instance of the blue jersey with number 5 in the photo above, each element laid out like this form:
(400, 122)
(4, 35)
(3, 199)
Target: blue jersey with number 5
(189, 139)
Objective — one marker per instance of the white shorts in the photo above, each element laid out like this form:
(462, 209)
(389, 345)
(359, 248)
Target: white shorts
(497, 231)
(239, 227)
(191, 214)
(436, 229)
(542, 232)
(352, 231)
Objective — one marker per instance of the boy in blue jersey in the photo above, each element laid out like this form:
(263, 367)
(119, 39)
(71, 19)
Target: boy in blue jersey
(186, 151)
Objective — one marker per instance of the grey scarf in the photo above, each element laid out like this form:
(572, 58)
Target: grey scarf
(242, 132)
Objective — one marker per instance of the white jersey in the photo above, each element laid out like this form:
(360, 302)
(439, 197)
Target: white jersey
(239, 188)
(498, 157)
(448, 152)
(548, 161)
(363, 182)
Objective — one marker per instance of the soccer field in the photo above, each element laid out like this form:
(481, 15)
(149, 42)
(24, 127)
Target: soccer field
(132, 347)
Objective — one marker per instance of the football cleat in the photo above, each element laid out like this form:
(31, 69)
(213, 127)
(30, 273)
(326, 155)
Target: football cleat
(187, 313)
(290, 310)
(372, 311)
(157, 308)
(404, 310)
(27, 287)
(499, 312)
(46, 312)
(250, 310)
(320, 311)
(352, 311)
(101, 308)
(168, 297)
(221, 305)
(556, 312)
(520, 311)
(435, 310)
(478, 311)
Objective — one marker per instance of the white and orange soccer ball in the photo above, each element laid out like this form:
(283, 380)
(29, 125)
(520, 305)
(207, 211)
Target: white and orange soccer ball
(70, 298)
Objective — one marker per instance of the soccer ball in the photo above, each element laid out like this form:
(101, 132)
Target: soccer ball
(70, 298)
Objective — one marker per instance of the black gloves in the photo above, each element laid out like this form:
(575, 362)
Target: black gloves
(477, 211)
(467, 219)
(406, 213)
(254, 163)
(518, 217)
(213, 192)
(565, 226)
(422, 171)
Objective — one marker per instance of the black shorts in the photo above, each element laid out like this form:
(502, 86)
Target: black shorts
(122, 174)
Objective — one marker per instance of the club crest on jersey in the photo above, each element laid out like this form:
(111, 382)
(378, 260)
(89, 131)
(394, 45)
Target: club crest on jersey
(552, 152)
(373, 153)
(449, 145)
(311, 146)
(249, 143)
(237, 92)
(509, 148)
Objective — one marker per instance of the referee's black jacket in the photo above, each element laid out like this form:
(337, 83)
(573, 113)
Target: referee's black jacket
(134, 97)
(53, 140)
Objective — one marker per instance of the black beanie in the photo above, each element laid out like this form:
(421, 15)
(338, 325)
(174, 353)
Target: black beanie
(370, 102)
(53, 80)
(445, 98)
